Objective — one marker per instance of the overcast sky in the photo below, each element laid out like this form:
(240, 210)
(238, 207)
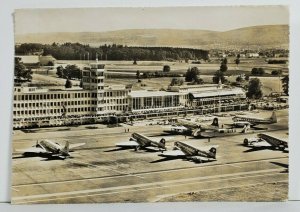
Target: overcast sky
(108, 19)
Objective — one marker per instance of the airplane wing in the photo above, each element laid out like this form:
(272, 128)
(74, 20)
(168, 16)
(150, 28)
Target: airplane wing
(260, 144)
(32, 150)
(127, 144)
(72, 146)
(202, 159)
(157, 139)
(173, 153)
(207, 148)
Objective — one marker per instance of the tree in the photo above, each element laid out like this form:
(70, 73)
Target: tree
(81, 84)
(247, 77)
(261, 71)
(285, 84)
(199, 81)
(134, 61)
(223, 66)
(176, 81)
(138, 74)
(50, 63)
(21, 72)
(254, 89)
(239, 79)
(192, 74)
(68, 84)
(59, 71)
(72, 72)
(237, 60)
(257, 71)
(146, 75)
(276, 72)
(219, 75)
(166, 68)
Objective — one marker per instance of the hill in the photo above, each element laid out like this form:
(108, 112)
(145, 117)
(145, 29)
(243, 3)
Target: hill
(263, 36)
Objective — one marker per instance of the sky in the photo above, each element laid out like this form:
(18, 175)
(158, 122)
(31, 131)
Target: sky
(110, 19)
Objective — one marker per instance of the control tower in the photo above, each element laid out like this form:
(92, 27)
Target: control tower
(93, 79)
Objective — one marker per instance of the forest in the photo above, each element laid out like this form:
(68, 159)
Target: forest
(77, 51)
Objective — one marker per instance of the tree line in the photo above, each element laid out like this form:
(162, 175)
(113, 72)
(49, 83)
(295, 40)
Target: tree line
(77, 51)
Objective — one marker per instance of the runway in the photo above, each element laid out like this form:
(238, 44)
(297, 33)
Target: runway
(101, 173)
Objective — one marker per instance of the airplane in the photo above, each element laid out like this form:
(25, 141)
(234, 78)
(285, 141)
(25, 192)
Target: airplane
(185, 151)
(187, 127)
(241, 121)
(50, 148)
(178, 130)
(139, 141)
(222, 132)
(265, 141)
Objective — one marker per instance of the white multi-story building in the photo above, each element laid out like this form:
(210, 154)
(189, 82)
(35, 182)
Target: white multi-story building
(95, 102)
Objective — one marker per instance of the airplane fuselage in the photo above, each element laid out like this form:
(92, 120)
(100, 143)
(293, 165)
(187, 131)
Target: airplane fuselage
(252, 121)
(218, 132)
(256, 121)
(178, 130)
(192, 151)
(241, 123)
(144, 141)
(50, 146)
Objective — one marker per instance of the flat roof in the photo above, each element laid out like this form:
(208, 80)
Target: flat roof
(145, 93)
(220, 92)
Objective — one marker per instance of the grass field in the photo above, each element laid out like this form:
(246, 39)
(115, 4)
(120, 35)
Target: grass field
(124, 72)
(245, 66)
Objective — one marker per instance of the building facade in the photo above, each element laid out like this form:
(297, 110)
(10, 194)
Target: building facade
(96, 102)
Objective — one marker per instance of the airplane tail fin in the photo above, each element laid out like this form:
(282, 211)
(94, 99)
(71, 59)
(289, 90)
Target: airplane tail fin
(215, 122)
(162, 143)
(65, 150)
(213, 152)
(245, 129)
(274, 117)
(196, 132)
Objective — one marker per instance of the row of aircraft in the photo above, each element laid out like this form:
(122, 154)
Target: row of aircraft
(180, 150)
(186, 127)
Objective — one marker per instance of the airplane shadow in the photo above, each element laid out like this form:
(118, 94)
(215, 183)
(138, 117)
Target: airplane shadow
(165, 159)
(160, 134)
(280, 164)
(259, 128)
(116, 149)
(132, 150)
(254, 149)
(176, 158)
(45, 157)
(286, 166)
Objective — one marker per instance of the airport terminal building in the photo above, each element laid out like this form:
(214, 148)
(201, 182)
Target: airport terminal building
(95, 102)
